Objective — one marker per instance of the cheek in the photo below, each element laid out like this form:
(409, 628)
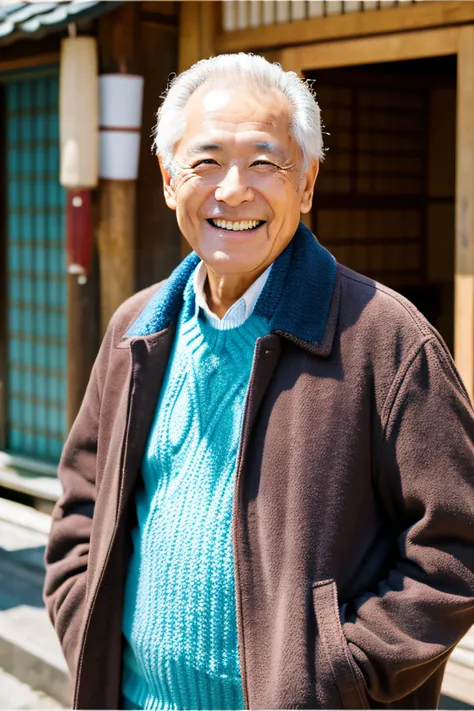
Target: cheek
(182, 183)
(291, 183)
(189, 196)
(282, 194)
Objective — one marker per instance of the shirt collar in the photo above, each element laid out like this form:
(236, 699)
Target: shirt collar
(238, 312)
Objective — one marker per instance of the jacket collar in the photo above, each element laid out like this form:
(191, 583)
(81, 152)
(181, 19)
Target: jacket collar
(300, 299)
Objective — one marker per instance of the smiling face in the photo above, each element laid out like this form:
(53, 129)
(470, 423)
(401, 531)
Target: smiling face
(238, 183)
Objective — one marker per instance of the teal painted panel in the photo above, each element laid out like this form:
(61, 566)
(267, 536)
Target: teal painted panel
(37, 328)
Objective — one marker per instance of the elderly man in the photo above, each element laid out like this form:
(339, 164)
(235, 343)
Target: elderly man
(268, 491)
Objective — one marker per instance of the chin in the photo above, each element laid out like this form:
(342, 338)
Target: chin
(223, 263)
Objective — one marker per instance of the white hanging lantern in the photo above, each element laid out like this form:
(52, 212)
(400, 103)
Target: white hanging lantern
(79, 113)
(121, 97)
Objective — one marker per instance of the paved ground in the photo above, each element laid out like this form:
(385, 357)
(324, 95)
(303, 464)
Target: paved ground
(29, 649)
(15, 695)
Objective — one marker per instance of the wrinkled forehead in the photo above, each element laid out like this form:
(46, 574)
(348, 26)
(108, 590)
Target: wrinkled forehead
(238, 110)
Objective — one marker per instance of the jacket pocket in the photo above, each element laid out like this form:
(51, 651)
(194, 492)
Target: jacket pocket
(344, 671)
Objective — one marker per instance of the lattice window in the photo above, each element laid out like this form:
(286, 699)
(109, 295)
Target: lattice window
(241, 14)
(370, 203)
(36, 381)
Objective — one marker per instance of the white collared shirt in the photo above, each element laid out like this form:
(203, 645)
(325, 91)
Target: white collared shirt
(238, 312)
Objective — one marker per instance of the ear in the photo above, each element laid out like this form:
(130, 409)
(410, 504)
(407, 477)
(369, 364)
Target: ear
(168, 190)
(310, 175)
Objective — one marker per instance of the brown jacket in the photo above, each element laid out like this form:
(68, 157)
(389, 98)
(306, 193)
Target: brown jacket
(353, 522)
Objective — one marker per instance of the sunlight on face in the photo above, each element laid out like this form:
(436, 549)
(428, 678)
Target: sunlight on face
(238, 183)
(215, 99)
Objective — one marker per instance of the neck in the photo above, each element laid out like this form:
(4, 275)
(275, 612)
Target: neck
(223, 291)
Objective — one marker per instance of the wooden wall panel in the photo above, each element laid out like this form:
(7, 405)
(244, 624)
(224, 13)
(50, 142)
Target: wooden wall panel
(370, 195)
(464, 277)
(3, 268)
(158, 237)
(242, 14)
(321, 23)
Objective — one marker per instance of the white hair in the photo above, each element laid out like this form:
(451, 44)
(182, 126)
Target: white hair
(245, 68)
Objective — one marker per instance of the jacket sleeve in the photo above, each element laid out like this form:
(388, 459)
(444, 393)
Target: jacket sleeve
(67, 551)
(400, 632)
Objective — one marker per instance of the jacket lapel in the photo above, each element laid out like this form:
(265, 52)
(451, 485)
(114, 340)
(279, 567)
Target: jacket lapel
(149, 356)
(301, 301)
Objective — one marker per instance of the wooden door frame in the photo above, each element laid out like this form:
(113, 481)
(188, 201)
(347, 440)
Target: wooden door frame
(3, 267)
(372, 50)
(457, 41)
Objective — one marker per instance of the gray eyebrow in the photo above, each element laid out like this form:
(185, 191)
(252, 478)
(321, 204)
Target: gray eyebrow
(271, 147)
(213, 147)
(201, 148)
(266, 146)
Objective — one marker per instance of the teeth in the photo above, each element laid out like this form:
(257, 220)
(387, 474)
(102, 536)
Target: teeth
(244, 225)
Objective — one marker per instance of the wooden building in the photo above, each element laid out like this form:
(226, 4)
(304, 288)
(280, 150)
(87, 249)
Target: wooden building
(394, 199)
(51, 326)
(395, 195)
(395, 82)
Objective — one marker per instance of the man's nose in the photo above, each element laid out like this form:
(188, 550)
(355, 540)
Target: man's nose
(233, 188)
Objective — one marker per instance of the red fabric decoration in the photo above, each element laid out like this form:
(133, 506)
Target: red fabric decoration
(78, 233)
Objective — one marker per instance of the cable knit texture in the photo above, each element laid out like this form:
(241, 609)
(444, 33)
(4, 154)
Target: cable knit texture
(179, 615)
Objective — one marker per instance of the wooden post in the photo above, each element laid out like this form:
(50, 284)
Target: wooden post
(82, 338)
(116, 245)
(464, 260)
(118, 41)
(199, 23)
(158, 244)
(3, 268)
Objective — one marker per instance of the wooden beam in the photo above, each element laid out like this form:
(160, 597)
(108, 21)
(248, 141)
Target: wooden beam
(82, 338)
(24, 53)
(357, 24)
(3, 269)
(210, 17)
(189, 52)
(464, 234)
(158, 247)
(38, 60)
(118, 43)
(189, 41)
(167, 8)
(371, 50)
(198, 26)
(118, 39)
(116, 245)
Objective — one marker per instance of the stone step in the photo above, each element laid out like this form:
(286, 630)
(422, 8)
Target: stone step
(14, 695)
(29, 649)
(35, 480)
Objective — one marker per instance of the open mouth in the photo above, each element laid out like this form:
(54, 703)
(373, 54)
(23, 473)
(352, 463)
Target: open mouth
(236, 226)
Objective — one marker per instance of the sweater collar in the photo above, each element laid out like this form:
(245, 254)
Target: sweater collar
(299, 298)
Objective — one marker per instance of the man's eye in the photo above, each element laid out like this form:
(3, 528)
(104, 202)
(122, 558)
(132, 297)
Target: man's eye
(205, 161)
(265, 162)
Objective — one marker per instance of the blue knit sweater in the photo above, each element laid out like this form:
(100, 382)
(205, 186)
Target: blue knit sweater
(179, 615)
